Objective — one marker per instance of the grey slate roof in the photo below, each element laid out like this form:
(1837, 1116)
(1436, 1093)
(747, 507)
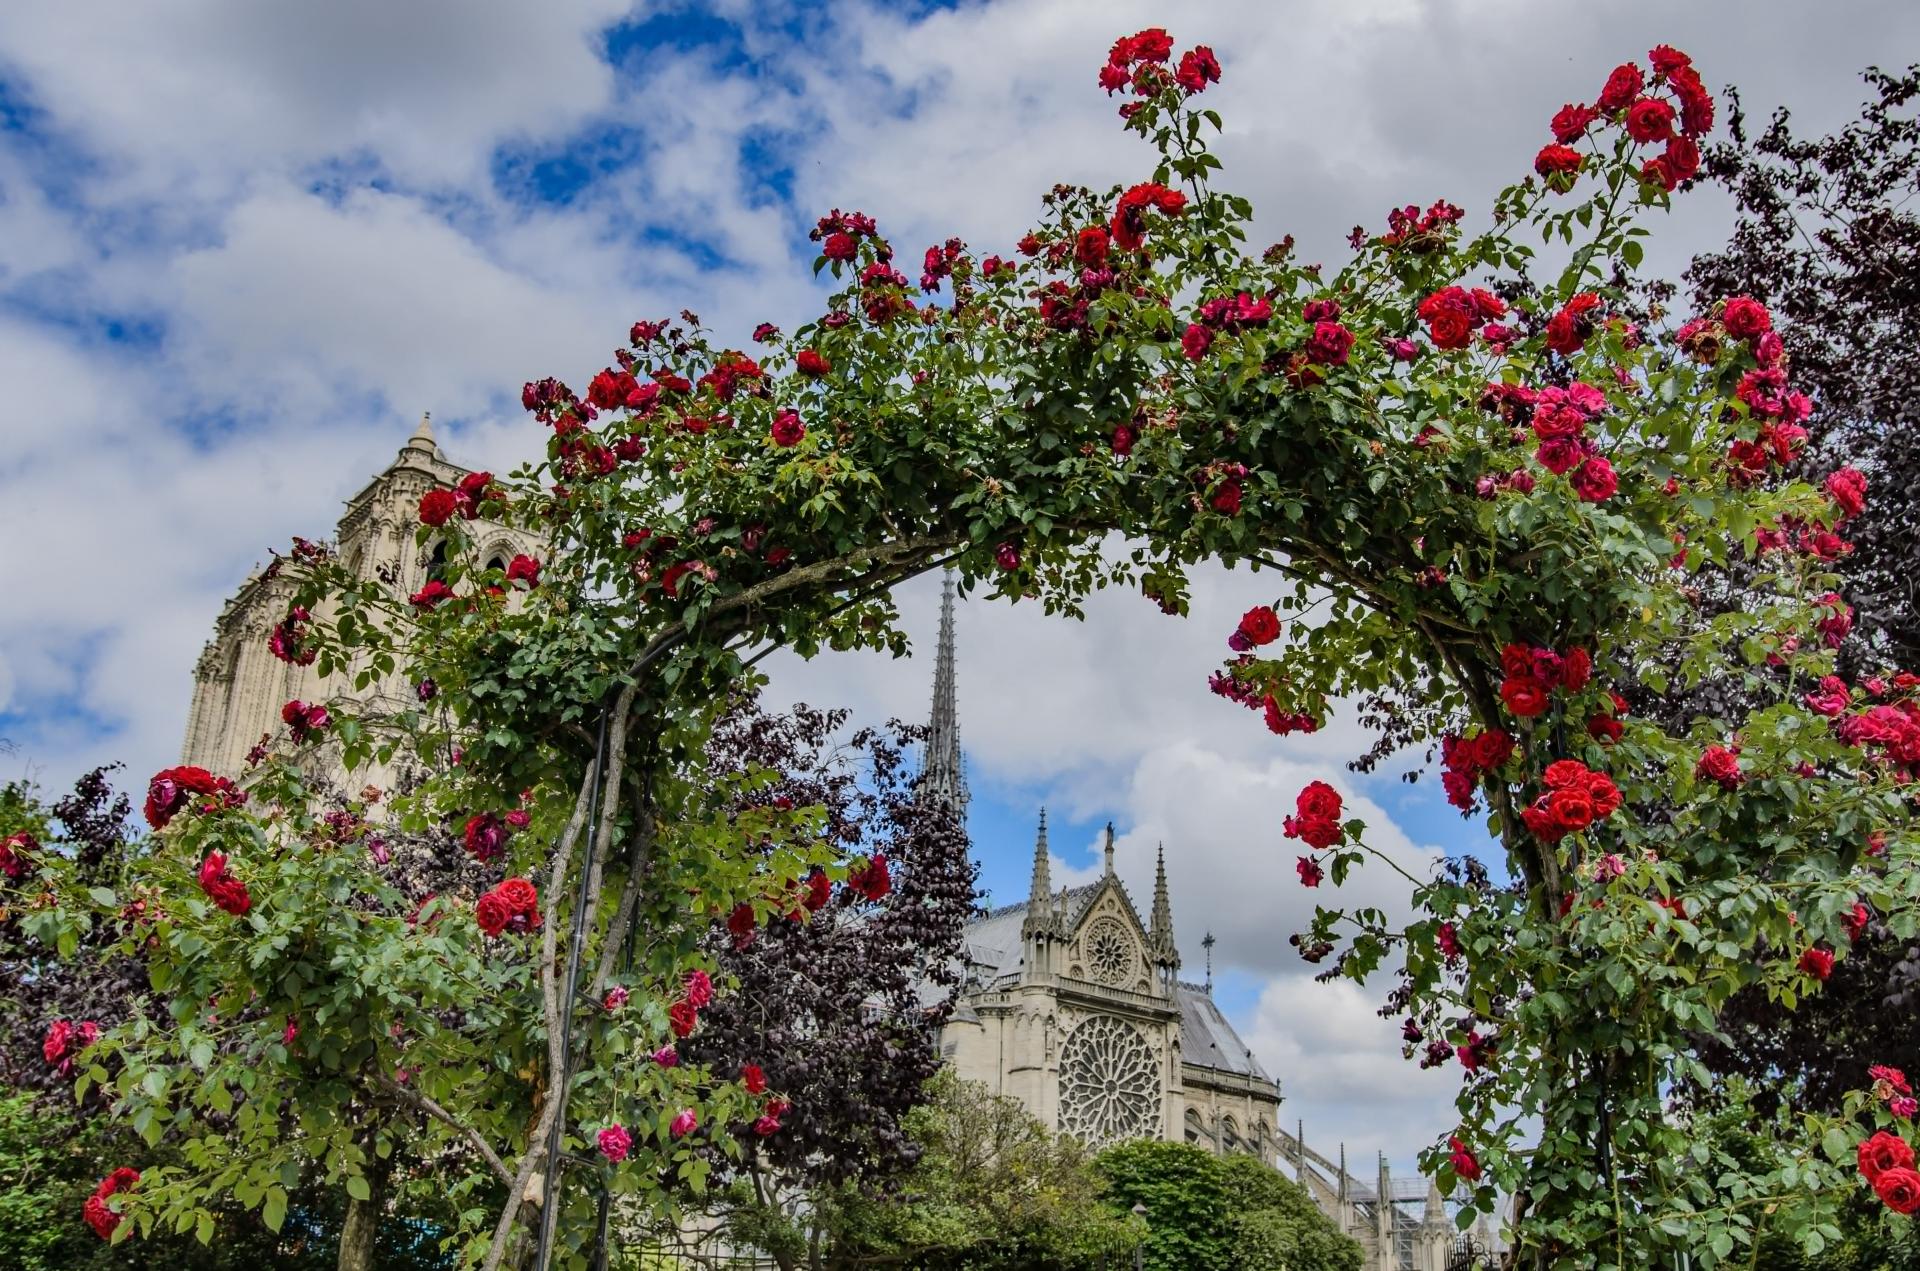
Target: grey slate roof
(1207, 1038)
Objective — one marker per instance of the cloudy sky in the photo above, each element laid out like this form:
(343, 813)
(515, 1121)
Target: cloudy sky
(243, 245)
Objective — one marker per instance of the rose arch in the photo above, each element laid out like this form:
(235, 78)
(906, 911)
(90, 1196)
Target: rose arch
(1504, 486)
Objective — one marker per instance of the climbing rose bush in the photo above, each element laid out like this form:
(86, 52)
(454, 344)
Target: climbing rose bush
(1494, 486)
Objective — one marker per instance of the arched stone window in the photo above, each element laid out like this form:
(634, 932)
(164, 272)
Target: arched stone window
(1230, 1136)
(1197, 1129)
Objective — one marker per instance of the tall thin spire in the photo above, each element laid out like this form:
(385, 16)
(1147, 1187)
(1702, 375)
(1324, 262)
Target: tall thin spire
(1109, 849)
(1162, 907)
(1160, 935)
(943, 774)
(1041, 890)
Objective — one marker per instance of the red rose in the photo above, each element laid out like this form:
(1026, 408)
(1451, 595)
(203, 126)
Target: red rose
(1746, 318)
(1594, 480)
(1681, 158)
(484, 836)
(519, 895)
(1623, 85)
(226, 891)
(1884, 1152)
(1565, 774)
(1314, 831)
(1463, 1162)
(1571, 122)
(492, 913)
(172, 788)
(682, 1017)
(1575, 669)
(1260, 625)
(1198, 68)
(431, 595)
(838, 247)
(1449, 315)
(1226, 499)
(787, 428)
(1090, 248)
(1309, 870)
(1572, 810)
(1196, 341)
(811, 363)
(1492, 749)
(524, 569)
(819, 891)
(1817, 962)
(438, 506)
(1719, 764)
(1329, 344)
(1899, 1190)
(754, 1079)
(1524, 696)
(1649, 120)
(1553, 161)
(1847, 487)
(1318, 799)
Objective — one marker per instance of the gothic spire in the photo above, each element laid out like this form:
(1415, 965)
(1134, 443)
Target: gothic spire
(1042, 919)
(1041, 890)
(943, 775)
(1162, 908)
(1109, 849)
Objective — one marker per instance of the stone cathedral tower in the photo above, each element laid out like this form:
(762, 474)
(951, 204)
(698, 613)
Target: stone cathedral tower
(239, 686)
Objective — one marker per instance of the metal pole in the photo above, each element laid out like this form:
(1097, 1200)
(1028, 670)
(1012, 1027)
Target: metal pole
(1139, 1250)
(576, 945)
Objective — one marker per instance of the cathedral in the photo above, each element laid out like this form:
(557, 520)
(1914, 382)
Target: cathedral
(1074, 1005)
(1071, 1002)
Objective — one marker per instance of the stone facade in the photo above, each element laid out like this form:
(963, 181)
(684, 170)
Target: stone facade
(238, 684)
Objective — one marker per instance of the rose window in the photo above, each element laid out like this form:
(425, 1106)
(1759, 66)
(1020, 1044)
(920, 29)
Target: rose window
(1109, 1083)
(1110, 952)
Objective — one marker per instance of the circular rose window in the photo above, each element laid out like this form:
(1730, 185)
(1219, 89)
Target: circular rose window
(1109, 1083)
(1110, 955)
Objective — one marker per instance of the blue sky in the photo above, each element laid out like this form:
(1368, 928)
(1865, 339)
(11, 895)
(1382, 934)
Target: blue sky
(243, 246)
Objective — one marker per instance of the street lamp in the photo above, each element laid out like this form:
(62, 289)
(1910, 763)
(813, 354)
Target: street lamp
(1139, 1250)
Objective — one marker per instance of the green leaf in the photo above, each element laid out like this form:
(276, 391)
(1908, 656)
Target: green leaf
(275, 1212)
(358, 1189)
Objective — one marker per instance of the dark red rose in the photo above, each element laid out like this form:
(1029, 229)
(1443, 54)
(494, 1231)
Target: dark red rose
(1553, 161)
(1309, 870)
(787, 428)
(1260, 625)
(1090, 248)
(431, 595)
(1746, 318)
(1198, 68)
(1883, 1152)
(1227, 498)
(1524, 696)
(173, 788)
(682, 1017)
(1318, 798)
(1721, 765)
(1571, 122)
(1463, 1162)
(838, 247)
(485, 836)
(1649, 120)
(812, 363)
(1899, 1190)
(1329, 344)
(1196, 341)
(1623, 85)
(218, 882)
(438, 506)
(492, 913)
(1817, 962)
(1595, 481)
(753, 1079)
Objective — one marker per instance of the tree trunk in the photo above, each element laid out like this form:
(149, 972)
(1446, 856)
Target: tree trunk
(363, 1219)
